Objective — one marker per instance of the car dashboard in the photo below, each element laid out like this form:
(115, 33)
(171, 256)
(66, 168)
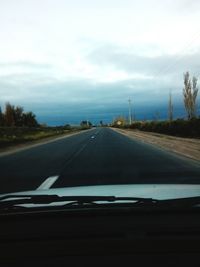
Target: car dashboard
(117, 237)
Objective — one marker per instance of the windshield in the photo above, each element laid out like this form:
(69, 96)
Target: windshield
(100, 98)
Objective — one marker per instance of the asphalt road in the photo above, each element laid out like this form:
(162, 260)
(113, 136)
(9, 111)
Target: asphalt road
(99, 156)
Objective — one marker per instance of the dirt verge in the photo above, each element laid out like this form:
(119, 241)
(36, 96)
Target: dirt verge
(187, 147)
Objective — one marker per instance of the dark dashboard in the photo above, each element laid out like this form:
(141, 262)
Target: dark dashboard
(113, 237)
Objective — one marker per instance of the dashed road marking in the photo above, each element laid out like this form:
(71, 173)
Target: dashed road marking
(48, 183)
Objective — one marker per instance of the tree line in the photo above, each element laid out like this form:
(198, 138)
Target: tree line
(189, 127)
(190, 94)
(15, 116)
(178, 127)
(85, 124)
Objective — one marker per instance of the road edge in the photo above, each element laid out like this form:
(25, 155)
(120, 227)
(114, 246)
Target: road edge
(22, 147)
(164, 147)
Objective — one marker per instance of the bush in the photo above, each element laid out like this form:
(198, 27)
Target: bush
(179, 127)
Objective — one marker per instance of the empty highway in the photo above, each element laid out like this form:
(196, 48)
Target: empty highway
(95, 157)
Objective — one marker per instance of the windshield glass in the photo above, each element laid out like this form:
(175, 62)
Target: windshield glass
(102, 94)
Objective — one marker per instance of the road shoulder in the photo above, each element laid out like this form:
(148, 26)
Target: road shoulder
(187, 147)
(21, 147)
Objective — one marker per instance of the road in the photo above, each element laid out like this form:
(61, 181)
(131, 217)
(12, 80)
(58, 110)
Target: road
(98, 156)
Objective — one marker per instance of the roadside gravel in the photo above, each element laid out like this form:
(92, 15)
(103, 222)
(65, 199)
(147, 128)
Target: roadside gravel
(187, 147)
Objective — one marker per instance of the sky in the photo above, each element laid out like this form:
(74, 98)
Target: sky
(74, 60)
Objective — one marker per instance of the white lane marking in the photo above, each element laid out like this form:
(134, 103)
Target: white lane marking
(48, 183)
(76, 154)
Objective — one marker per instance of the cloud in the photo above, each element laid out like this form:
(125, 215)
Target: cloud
(149, 66)
(82, 92)
(68, 101)
(107, 77)
(70, 56)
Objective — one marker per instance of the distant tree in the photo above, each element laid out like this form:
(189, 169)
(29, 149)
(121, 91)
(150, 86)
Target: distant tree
(85, 124)
(190, 92)
(18, 116)
(29, 119)
(9, 115)
(15, 116)
(170, 108)
(67, 126)
(1, 118)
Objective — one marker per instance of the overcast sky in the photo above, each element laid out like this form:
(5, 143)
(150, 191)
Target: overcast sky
(77, 58)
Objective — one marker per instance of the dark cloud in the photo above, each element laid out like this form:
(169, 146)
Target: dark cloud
(131, 62)
(82, 91)
(71, 100)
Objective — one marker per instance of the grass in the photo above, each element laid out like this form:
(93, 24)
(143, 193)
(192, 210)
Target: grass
(17, 135)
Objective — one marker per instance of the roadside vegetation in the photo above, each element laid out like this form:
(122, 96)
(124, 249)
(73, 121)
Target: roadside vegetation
(180, 127)
(85, 125)
(183, 127)
(17, 117)
(16, 135)
(18, 127)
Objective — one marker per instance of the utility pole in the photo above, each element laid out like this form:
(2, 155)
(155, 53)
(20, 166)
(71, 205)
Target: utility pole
(170, 108)
(129, 105)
